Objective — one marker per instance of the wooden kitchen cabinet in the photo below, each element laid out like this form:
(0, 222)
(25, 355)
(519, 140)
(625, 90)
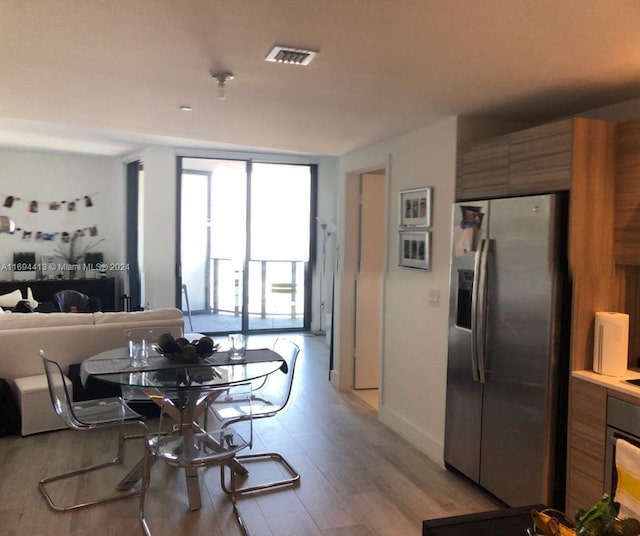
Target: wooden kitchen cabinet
(587, 429)
(483, 169)
(627, 194)
(532, 161)
(540, 158)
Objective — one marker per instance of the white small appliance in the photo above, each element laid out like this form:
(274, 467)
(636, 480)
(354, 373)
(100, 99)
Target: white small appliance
(611, 343)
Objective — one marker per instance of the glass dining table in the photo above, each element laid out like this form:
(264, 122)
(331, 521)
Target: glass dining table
(193, 379)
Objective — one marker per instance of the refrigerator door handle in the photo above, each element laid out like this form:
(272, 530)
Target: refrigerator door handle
(482, 311)
(474, 312)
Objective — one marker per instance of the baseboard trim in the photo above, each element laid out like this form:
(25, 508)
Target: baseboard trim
(424, 442)
(334, 379)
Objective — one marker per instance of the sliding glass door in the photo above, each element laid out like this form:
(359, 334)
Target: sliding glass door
(280, 211)
(244, 245)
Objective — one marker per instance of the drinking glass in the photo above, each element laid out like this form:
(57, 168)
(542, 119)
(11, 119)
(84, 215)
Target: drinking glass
(138, 353)
(236, 346)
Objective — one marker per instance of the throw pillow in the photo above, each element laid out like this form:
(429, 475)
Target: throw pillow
(10, 299)
(33, 302)
(23, 306)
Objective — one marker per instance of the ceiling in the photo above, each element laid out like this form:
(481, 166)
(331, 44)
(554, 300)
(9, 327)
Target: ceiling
(108, 77)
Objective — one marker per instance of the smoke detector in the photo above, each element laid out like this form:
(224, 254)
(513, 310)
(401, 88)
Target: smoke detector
(295, 56)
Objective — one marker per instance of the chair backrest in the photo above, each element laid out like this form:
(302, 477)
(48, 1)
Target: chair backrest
(149, 334)
(58, 392)
(213, 441)
(277, 388)
(66, 299)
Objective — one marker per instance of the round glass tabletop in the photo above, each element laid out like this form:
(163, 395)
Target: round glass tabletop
(113, 366)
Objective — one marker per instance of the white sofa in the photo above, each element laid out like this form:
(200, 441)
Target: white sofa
(69, 338)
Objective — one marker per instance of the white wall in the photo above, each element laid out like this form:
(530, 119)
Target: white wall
(327, 214)
(54, 176)
(49, 176)
(414, 355)
(158, 270)
(158, 262)
(414, 351)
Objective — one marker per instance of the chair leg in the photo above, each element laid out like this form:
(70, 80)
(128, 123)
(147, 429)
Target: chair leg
(42, 484)
(234, 500)
(186, 299)
(146, 480)
(294, 478)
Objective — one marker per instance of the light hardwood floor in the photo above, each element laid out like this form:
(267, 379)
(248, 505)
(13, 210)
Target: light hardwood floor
(358, 477)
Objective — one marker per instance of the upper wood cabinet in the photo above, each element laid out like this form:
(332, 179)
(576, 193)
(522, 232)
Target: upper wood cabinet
(540, 158)
(531, 161)
(627, 194)
(483, 169)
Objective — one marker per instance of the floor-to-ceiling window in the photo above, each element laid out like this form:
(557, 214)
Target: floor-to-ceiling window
(245, 242)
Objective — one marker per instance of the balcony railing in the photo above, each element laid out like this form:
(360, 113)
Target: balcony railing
(276, 288)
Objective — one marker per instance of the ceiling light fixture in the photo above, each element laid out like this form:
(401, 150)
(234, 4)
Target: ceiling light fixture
(186, 108)
(294, 56)
(222, 77)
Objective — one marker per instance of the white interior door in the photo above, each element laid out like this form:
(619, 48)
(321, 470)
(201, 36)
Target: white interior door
(369, 282)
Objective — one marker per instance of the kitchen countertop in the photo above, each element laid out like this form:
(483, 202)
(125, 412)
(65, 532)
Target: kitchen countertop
(611, 382)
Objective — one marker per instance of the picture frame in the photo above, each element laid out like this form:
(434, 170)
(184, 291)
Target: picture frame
(415, 249)
(52, 267)
(415, 207)
(24, 265)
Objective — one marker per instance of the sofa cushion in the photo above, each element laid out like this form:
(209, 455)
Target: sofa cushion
(43, 320)
(19, 350)
(138, 317)
(32, 301)
(69, 337)
(10, 299)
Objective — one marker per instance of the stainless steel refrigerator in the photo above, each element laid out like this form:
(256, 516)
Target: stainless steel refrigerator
(508, 347)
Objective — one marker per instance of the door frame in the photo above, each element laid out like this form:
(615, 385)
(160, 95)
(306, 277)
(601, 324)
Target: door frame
(366, 369)
(313, 212)
(346, 289)
(133, 170)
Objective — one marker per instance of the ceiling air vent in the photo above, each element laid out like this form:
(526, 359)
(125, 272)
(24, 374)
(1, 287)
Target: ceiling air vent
(295, 56)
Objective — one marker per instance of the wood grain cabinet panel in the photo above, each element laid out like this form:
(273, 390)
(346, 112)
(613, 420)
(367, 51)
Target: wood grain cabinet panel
(483, 169)
(586, 444)
(627, 194)
(532, 161)
(540, 158)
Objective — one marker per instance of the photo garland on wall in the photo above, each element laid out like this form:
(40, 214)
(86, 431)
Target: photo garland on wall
(64, 236)
(414, 240)
(34, 205)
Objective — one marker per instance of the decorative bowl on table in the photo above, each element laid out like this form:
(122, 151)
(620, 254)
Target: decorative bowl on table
(185, 351)
(550, 522)
(601, 519)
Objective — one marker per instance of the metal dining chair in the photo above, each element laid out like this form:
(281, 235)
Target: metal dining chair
(185, 292)
(132, 395)
(87, 416)
(191, 445)
(270, 396)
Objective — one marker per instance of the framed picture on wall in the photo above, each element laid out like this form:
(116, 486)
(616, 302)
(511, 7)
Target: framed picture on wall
(415, 249)
(415, 207)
